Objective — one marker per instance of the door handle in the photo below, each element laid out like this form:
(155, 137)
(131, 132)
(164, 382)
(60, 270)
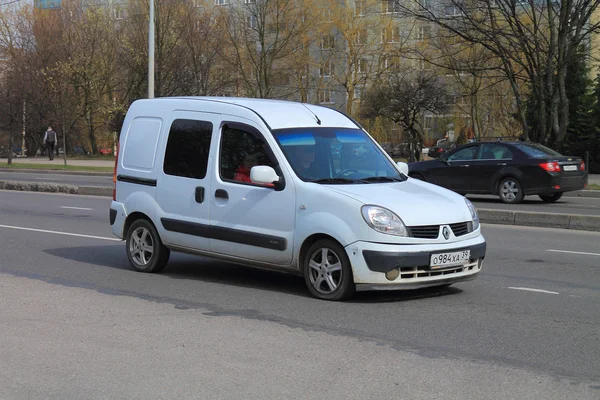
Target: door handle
(502, 163)
(199, 194)
(221, 194)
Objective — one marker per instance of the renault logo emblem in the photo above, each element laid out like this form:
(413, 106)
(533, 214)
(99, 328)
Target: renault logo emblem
(446, 232)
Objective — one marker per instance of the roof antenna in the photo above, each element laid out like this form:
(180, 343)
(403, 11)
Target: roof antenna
(317, 118)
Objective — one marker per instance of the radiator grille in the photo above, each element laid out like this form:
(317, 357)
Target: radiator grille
(425, 232)
(462, 228)
(433, 231)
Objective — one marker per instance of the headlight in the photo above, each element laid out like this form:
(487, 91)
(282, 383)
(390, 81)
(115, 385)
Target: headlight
(384, 221)
(474, 214)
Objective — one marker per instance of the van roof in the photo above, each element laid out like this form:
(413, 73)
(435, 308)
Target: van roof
(281, 114)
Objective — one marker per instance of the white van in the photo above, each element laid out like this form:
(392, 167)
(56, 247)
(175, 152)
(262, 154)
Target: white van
(287, 186)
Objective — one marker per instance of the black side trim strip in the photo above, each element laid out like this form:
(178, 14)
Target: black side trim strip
(384, 261)
(136, 180)
(189, 228)
(225, 234)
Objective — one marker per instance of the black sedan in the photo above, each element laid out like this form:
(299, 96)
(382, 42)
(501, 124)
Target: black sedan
(510, 170)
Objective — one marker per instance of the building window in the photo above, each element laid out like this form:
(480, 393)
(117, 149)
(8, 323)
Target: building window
(197, 3)
(327, 43)
(119, 13)
(390, 63)
(453, 10)
(359, 8)
(362, 66)
(251, 21)
(358, 93)
(424, 64)
(250, 1)
(390, 6)
(361, 37)
(188, 147)
(221, 2)
(326, 15)
(326, 69)
(427, 125)
(326, 97)
(424, 33)
(390, 35)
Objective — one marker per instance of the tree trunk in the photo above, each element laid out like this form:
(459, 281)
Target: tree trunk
(90, 122)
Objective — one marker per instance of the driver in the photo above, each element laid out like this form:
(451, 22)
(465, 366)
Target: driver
(306, 159)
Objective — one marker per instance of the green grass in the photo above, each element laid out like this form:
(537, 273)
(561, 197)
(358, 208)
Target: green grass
(593, 186)
(56, 167)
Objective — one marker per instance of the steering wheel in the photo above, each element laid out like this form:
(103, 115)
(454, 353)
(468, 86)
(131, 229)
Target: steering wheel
(346, 173)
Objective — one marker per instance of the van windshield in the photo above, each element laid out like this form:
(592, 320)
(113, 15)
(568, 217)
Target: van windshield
(335, 156)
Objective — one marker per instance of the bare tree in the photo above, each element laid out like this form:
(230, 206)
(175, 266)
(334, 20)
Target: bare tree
(533, 42)
(404, 100)
(263, 37)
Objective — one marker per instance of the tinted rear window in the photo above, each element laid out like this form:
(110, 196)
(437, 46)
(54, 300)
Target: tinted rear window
(188, 148)
(536, 150)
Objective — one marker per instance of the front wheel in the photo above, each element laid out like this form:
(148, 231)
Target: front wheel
(327, 271)
(145, 250)
(510, 191)
(551, 198)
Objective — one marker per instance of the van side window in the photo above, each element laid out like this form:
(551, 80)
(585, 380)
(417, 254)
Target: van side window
(240, 151)
(188, 148)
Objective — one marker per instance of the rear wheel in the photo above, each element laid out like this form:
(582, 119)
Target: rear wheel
(327, 271)
(510, 190)
(145, 250)
(551, 198)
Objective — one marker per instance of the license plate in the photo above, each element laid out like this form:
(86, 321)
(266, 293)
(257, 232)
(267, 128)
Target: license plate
(442, 260)
(570, 168)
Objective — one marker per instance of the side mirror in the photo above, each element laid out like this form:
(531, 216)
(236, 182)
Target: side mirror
(265, 175)
(403, 167)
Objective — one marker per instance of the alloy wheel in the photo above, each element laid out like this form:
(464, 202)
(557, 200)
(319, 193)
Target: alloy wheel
(141, 246)
(509, 190)
(325, 270)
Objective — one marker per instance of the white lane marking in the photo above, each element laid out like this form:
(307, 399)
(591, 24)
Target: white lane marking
(78, 208)
(533, 290)
(59, 233)
(573, 252)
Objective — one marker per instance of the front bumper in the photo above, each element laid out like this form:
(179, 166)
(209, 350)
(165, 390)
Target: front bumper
(371, 261)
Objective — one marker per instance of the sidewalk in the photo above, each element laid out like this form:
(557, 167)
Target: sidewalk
(58, 160)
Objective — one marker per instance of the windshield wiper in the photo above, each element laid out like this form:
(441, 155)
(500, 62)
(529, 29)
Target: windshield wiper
(336, 180)
(382, 179)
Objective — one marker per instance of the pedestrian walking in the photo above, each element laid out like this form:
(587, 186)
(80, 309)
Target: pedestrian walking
(50, 141)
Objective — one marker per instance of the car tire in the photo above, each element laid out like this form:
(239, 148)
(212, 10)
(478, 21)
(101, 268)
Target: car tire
(551, 198)
(418, 176)
(145, 250)
(327, 271)
(510, 190)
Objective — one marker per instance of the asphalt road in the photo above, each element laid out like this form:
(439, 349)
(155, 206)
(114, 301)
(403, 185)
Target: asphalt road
(79, 323)
(566, 205)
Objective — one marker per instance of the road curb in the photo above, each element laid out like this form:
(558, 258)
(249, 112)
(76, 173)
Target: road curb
(55, 172)
(540, 220)
(55, 188)
(584, 193)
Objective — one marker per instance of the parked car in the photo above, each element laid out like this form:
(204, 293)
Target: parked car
(254, 182)
(105, 151)
(440, 148)
(510, 170)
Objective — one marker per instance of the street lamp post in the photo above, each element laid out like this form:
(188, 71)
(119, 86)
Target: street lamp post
(151, 51)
